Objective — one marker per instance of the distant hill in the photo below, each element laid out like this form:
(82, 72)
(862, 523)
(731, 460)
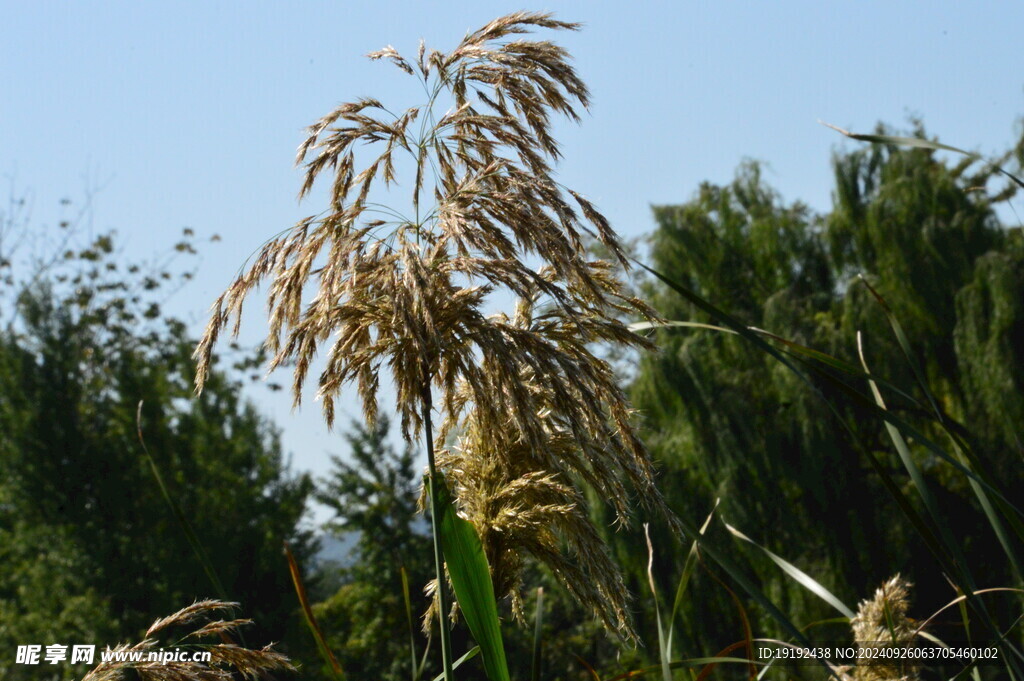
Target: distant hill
(340, 550)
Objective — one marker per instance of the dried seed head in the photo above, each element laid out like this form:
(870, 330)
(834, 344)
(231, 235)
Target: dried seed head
(882, 621)
(394, 299)
(518, 460)
(225, 658)
(405, 295)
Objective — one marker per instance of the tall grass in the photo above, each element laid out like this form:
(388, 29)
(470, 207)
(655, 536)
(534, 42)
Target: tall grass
(530, 408)
(1002, 513)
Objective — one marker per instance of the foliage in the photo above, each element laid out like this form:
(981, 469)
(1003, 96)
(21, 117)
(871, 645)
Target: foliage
(373, 492)
(734, 424)
(45, 596)
(86, 342)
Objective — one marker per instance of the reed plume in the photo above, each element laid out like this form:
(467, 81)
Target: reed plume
(405, 293)
(226, 658)
(524, 495)
(882, 622)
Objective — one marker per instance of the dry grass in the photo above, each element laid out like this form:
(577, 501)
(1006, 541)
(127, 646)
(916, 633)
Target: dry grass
(405, 294)
(882, 621)
(228, 661)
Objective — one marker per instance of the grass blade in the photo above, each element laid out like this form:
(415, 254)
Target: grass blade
(801, 577)
(912, 468)
(737, 327)
(960, 447)
(684, 579)
(948, 552)
(190, 535)
(409, 620)
(959, 600)
(965, 581)
(748, 634)
(793, 347)
(664, 653)
(921, 144)
(307, 611)
(470, 654)
(593, 672)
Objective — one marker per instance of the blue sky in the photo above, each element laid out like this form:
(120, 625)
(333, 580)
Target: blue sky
(188, 114)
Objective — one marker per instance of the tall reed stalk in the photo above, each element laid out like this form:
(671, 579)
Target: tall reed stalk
(537, 410)
(436, 512)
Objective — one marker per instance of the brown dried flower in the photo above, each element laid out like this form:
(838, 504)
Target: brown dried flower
(523, 494)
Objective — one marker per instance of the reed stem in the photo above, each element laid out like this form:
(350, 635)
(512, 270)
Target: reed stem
(435, 516)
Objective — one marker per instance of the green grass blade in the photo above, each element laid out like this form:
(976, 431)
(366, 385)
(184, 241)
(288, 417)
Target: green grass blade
(801, 577)
(903, 426)
(664, 654)
(901, 339)
(947, 552)
(409, 621)
(190, 535)
(922, 144)
(746, 332)
(960, 447)
(684, 579)
(735, 325)
(959, 601)
(748, 633)
(916, 476)
(470, 654)
(721, 557)
(471, 581)
(963, 575)
(418, 674)
(795, 349)
(845, 621)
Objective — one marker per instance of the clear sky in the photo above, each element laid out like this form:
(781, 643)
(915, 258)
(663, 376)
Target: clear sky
(187, 114)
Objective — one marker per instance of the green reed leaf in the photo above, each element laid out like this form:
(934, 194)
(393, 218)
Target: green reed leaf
(921, 144)
(797, 574)
(471, 581)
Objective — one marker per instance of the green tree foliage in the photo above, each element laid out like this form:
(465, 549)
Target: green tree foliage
(727, 421)
(45, 596)
(373, 492)
(85, 342)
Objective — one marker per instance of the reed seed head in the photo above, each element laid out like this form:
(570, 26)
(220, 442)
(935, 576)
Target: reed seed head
(404, 293)
(882, 621)
(227, 660)
(535, 411)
